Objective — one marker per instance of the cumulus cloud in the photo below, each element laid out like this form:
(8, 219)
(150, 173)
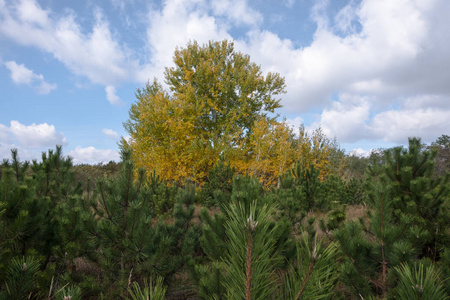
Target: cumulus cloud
(111, 95)
(398, 48)
(425, 117)
(346, 120)
(95, 54)
(30, 140)
(373, 62)
(377, 71)
(22, 75)
(396, 126)
(91, 155)
(4, 133)
(179, 22)
(295, 123)
(361, 152)
(237, 11)
(36, 135)
(110, 133)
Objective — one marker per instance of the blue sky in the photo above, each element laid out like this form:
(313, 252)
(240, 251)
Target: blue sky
(371, 73)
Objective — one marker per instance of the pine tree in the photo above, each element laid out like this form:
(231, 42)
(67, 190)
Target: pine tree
(220, 178)
(21, 278)
(251, 260)
(126, 241)
(18, 264)
(151, 291)
(249, 254)
(420, 283)
(314, 272)
(406, 221)
(30, 221)
(418, 193)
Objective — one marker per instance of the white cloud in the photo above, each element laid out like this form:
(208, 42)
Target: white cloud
(45, 88)
(396, 126)
(361, 152)
(96, 54)
(295, 123)
(400, 49)
(36, 135)
(22, 75)
(30, 12)
(351, 120)
(29, 140)
(177, 23)
(345, 18)
(110, 133)
(111, 95)
(237, 11)
(378, 70)
(91, 155)
(346, 120)
(4, 133)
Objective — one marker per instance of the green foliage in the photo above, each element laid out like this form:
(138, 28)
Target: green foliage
(89, 174)
(406, 220)
(308, 180)
(162, 195)
(120, 222)
(445, 267)
(153, 290)
(69, 293)
(211, 273)
(314, 272)
(251, 261)
(408, 173)
(385, 247)
(60, 239)
(419, 283)
(290, 198)
(220, 179)
(21, 274)
(334, 219)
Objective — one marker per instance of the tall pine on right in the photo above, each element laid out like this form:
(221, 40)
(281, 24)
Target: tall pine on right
(408, 217)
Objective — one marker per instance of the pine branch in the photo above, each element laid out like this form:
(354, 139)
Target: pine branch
(305, 280)
(251, 225)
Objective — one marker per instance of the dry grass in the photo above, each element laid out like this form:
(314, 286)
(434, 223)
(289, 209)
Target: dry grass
(82, 265)
(354, 212)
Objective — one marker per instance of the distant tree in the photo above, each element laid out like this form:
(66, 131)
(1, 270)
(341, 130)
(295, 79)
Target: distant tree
(442, 146)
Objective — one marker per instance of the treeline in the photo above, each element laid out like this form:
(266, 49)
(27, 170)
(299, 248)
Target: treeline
(128, 234)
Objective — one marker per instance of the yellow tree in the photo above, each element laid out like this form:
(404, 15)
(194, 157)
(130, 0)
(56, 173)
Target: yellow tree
(273, 151)
(317, 149)
(215, 96)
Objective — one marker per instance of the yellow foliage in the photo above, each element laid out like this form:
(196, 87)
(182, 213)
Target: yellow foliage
(217, 104)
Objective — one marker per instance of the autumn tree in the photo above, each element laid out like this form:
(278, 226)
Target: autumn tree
(215, 97)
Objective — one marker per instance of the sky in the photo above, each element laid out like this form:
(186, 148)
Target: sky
(370, 73)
